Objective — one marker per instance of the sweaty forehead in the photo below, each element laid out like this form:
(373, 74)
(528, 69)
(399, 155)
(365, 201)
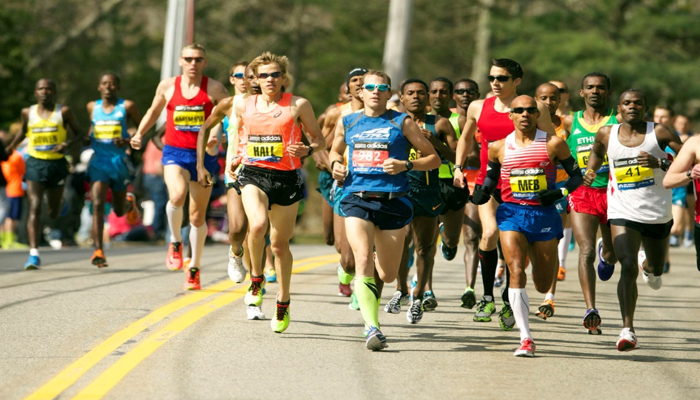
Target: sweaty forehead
(439, 85)
(631, 96)
(523, 101)
(548, 90)
(374, 79)
(192, 53)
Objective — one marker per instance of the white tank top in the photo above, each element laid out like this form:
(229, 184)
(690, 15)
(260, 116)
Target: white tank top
(636, 193)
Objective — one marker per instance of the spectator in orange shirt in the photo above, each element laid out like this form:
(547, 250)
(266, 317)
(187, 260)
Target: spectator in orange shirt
(12, 172)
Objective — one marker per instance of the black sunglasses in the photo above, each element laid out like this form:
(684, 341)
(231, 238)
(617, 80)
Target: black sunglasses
(519, 110)
(468, 91)
(264, 75)
(500, 78)
(195, 59)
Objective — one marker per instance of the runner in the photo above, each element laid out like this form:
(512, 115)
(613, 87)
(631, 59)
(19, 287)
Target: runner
(589, 204)
(639, 207)
(564, 108)
(189, 99)
(524, 162)
(44, 124)
(238, 78)
(375, 207)
(110, 166)
(491, 117)
(270, 178)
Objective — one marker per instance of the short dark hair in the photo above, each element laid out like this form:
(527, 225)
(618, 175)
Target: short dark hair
(644, 96)
(413, 80)
(473, 82)
(598, 75)
(513, 67)
(113, 75)
(445, 80)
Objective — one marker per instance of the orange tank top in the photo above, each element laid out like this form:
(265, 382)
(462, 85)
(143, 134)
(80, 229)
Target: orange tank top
(268, 135)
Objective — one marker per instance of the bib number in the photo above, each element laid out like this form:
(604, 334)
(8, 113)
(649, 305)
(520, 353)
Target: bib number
(583, 152)
(369, 157)
(188, 118)
(45, 139)
(266, 148)
(526, 182)
(630, 175)
(107, 131)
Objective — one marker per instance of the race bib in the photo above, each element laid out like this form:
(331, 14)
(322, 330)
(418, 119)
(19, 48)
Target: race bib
(630, 175)
(268, 148)
(582, 154)
(44, 138)
(107, 131)
(526, 182)
(369, 157)
(188, 118)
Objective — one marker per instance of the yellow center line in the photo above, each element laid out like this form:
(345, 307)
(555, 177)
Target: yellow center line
(114, 374)
(80, 367)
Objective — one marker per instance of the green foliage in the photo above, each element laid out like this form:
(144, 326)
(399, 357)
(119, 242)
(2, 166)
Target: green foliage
(15, 88)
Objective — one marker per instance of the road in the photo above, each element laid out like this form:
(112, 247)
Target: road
(71, 331)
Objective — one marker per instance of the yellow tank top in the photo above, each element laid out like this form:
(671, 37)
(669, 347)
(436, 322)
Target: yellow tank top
(447, 168)
(45, 134)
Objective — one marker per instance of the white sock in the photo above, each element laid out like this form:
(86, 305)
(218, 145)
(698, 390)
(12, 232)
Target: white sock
(520, 304)
(34, 252)
(174, 221)
(197, 238)
(563, 246)
(549, 296)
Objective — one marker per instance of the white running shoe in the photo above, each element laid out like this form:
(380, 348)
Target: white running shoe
(236, 270)
(652, 281)
(627, 340)
(255, 313)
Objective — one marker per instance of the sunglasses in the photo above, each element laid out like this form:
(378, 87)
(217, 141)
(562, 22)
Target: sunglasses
(530, 110)
(195, 59)
(382, 87)
(468, 91)
(500, 78)
(237, 75)
(265, 75)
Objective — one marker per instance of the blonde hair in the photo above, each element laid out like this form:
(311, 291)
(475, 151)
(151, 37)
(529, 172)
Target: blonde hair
(378, 73)
(269, 58)
(195, 46)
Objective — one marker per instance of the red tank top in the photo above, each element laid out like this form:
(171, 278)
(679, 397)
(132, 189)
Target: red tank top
(526, 170)
(494, 126)
(268, 134)
(186, 116)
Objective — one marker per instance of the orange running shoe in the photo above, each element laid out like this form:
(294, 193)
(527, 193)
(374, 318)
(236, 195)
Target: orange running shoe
(98, 259)
(561, 275)
(132, 215)
(192, 281)
(546, 310)
(174, 258)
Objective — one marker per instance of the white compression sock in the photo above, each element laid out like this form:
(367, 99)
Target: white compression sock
(520, 304)
(174, 221)
(197, 238)
(563, 247)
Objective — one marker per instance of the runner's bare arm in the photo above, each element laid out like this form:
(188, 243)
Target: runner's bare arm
(597, 156)
(335, 155)
(215, 118)
(71, 121)
(152, 114)
(429, 158)
(465, 141)
(686, 166)
(447, 133)
(311, 129)
(217, 92)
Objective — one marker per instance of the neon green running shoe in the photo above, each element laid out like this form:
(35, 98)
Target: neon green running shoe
(506, 318)
(484, 310)
(280, 321)
(468, 298)
(343, 276)
(254, 295)
(354, 305)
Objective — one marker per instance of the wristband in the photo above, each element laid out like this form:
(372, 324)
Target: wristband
(457, 166)
(564, 191)
(688, 173)
(311, 151)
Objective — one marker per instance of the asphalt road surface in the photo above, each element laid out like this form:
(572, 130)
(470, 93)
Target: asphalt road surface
(129, 331)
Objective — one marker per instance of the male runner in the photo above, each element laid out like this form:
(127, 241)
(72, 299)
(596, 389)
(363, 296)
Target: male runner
(491, 117)
(639, 207)
(564, 107)
(45, 125)
(238, 78)
(589, 204)
(110, 165)
(524, 162)
(189, 99)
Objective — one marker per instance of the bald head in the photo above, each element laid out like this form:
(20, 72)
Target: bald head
(547, 88)
(523, 101)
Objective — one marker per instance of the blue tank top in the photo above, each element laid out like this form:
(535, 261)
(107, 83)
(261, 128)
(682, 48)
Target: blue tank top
(426, 178)
(107, 127)
(371, 140)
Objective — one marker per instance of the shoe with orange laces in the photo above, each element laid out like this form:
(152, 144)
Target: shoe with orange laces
(174, 258)
(546, 310)
(98, 259)
(192, 281)
(132, 215)
(562, 274)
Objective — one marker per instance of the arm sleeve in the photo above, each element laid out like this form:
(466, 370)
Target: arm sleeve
(493, 172)
(575, 177)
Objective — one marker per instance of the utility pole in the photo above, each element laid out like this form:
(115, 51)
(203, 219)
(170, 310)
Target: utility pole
(179, 28)
(480, 66)
(396, 46)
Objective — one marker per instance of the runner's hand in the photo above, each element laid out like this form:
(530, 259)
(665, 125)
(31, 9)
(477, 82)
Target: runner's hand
(589, 177)
(60, 148)
(136, 142)
(120, 142)
(458, 180)
(339, 171)
(204, 178)
(549, 197)
(298, 150)
(647, 160)
(233, 167)
(393, 166)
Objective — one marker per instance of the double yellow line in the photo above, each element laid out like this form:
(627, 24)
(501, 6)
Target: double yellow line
(111, 377)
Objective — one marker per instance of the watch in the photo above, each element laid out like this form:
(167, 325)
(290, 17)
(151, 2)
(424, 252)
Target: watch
(564, 191)
(688, 173)
(457, 166)
(409, 165)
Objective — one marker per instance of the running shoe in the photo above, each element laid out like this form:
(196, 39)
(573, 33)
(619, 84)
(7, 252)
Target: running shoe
(429, 301)
(687, 239)
(673, 241)
(254, 295)
(33, 262)
(651, 280)
(236, 270)
(592, 321)
(397, 300)
(506, 319)
(667, 267)
(468, 298)
(174, 258)
(627, 340)
(280, 321)
(375, 340)
(98, 259)
(605, 270)
(527, 348)
(484, 310)
(255, 313)
(448, 253)
(561, 275)
(498, 281)
(344, 290)
(192, 281)
(132, 215)
(271, 276)
(415, 312)
(354, 304)
(546, 309)
(414, 281)
(343, 277)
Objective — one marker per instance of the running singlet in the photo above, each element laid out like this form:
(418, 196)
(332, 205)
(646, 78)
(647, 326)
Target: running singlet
(371, 140)
(427, 178)
(186, 116)
(581, 139)
(447, 168)
(526, 170)
(494, 126)
(45, 134)
(107, 127)
(226, 126)
(268, 134)
(635, 193)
